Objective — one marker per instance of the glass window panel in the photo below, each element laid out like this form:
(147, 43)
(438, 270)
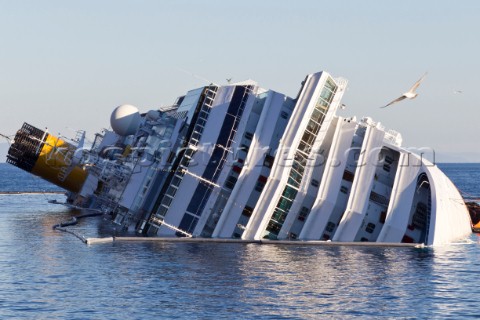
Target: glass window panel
(305, 148)
(259, 186)
(330, 226)
(317, 116)
(295, 176)
(294, 183)
(201, 122)
(268, 162)
(203, 115)
(171, 191)
(313, 127)
(330, 85)
(322, 106)
(196, 136)
(248, 135)
(162, 211)
(298, 167)
(230, 183)
(176, 181)
(308, 138)
(302, 215)
(300, 158)
(326, 94)
(284, 204)
(166, 201)
(274, 227)
(189, 152)
(278, 216)
(247, 211)
(289, 192)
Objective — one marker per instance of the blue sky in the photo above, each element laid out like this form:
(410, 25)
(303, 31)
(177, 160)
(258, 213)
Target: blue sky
(66, 65)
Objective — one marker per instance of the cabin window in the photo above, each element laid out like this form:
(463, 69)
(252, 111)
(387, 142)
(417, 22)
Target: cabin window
(383, 216)
(268, 162)
(370, 227)
(308, 138)
(167, 201)
(348, 176)
(230, 183)
(284, 115)
(244, 148)
(388, 159)
(330, 226)
(274, 227)
(259, 186)
(171, 191)
(344, 189)
(203, 115)
(236, 169)
(247, 211)
(248, 135)
(419, 219)
(378, 198)
(386, 167)
(315, 183)
(196, 136)
(201, 122)
(302, 215)
(185, 162)
(313, 127)
(317, 116)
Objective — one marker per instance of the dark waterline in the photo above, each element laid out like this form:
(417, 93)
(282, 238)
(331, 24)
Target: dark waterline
(47, 274)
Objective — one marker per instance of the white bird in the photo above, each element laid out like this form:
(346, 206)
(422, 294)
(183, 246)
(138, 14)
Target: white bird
(410, 94)
(457, 91)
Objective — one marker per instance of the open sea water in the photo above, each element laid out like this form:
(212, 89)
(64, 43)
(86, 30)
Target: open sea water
(46, 274)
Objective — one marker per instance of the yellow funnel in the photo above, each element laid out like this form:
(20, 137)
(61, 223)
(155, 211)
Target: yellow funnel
(48, 157)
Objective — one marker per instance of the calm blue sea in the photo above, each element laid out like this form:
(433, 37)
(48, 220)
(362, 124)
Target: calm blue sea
(46, 274)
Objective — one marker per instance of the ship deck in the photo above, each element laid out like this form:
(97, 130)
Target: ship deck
(91, 241)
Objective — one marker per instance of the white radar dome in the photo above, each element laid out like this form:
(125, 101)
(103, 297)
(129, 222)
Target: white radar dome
(125, 120)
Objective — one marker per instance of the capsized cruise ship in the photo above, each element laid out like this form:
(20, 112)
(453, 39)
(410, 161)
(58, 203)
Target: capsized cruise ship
(240, 161)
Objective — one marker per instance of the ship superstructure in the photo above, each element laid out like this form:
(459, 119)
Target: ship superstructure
(241, 161)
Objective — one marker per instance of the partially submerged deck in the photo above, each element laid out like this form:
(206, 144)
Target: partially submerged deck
(264, 242)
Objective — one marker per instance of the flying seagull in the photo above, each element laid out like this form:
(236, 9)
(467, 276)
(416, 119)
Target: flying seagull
(410, 94)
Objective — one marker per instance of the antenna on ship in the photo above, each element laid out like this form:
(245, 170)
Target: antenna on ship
(198, 77)
(8, 138)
